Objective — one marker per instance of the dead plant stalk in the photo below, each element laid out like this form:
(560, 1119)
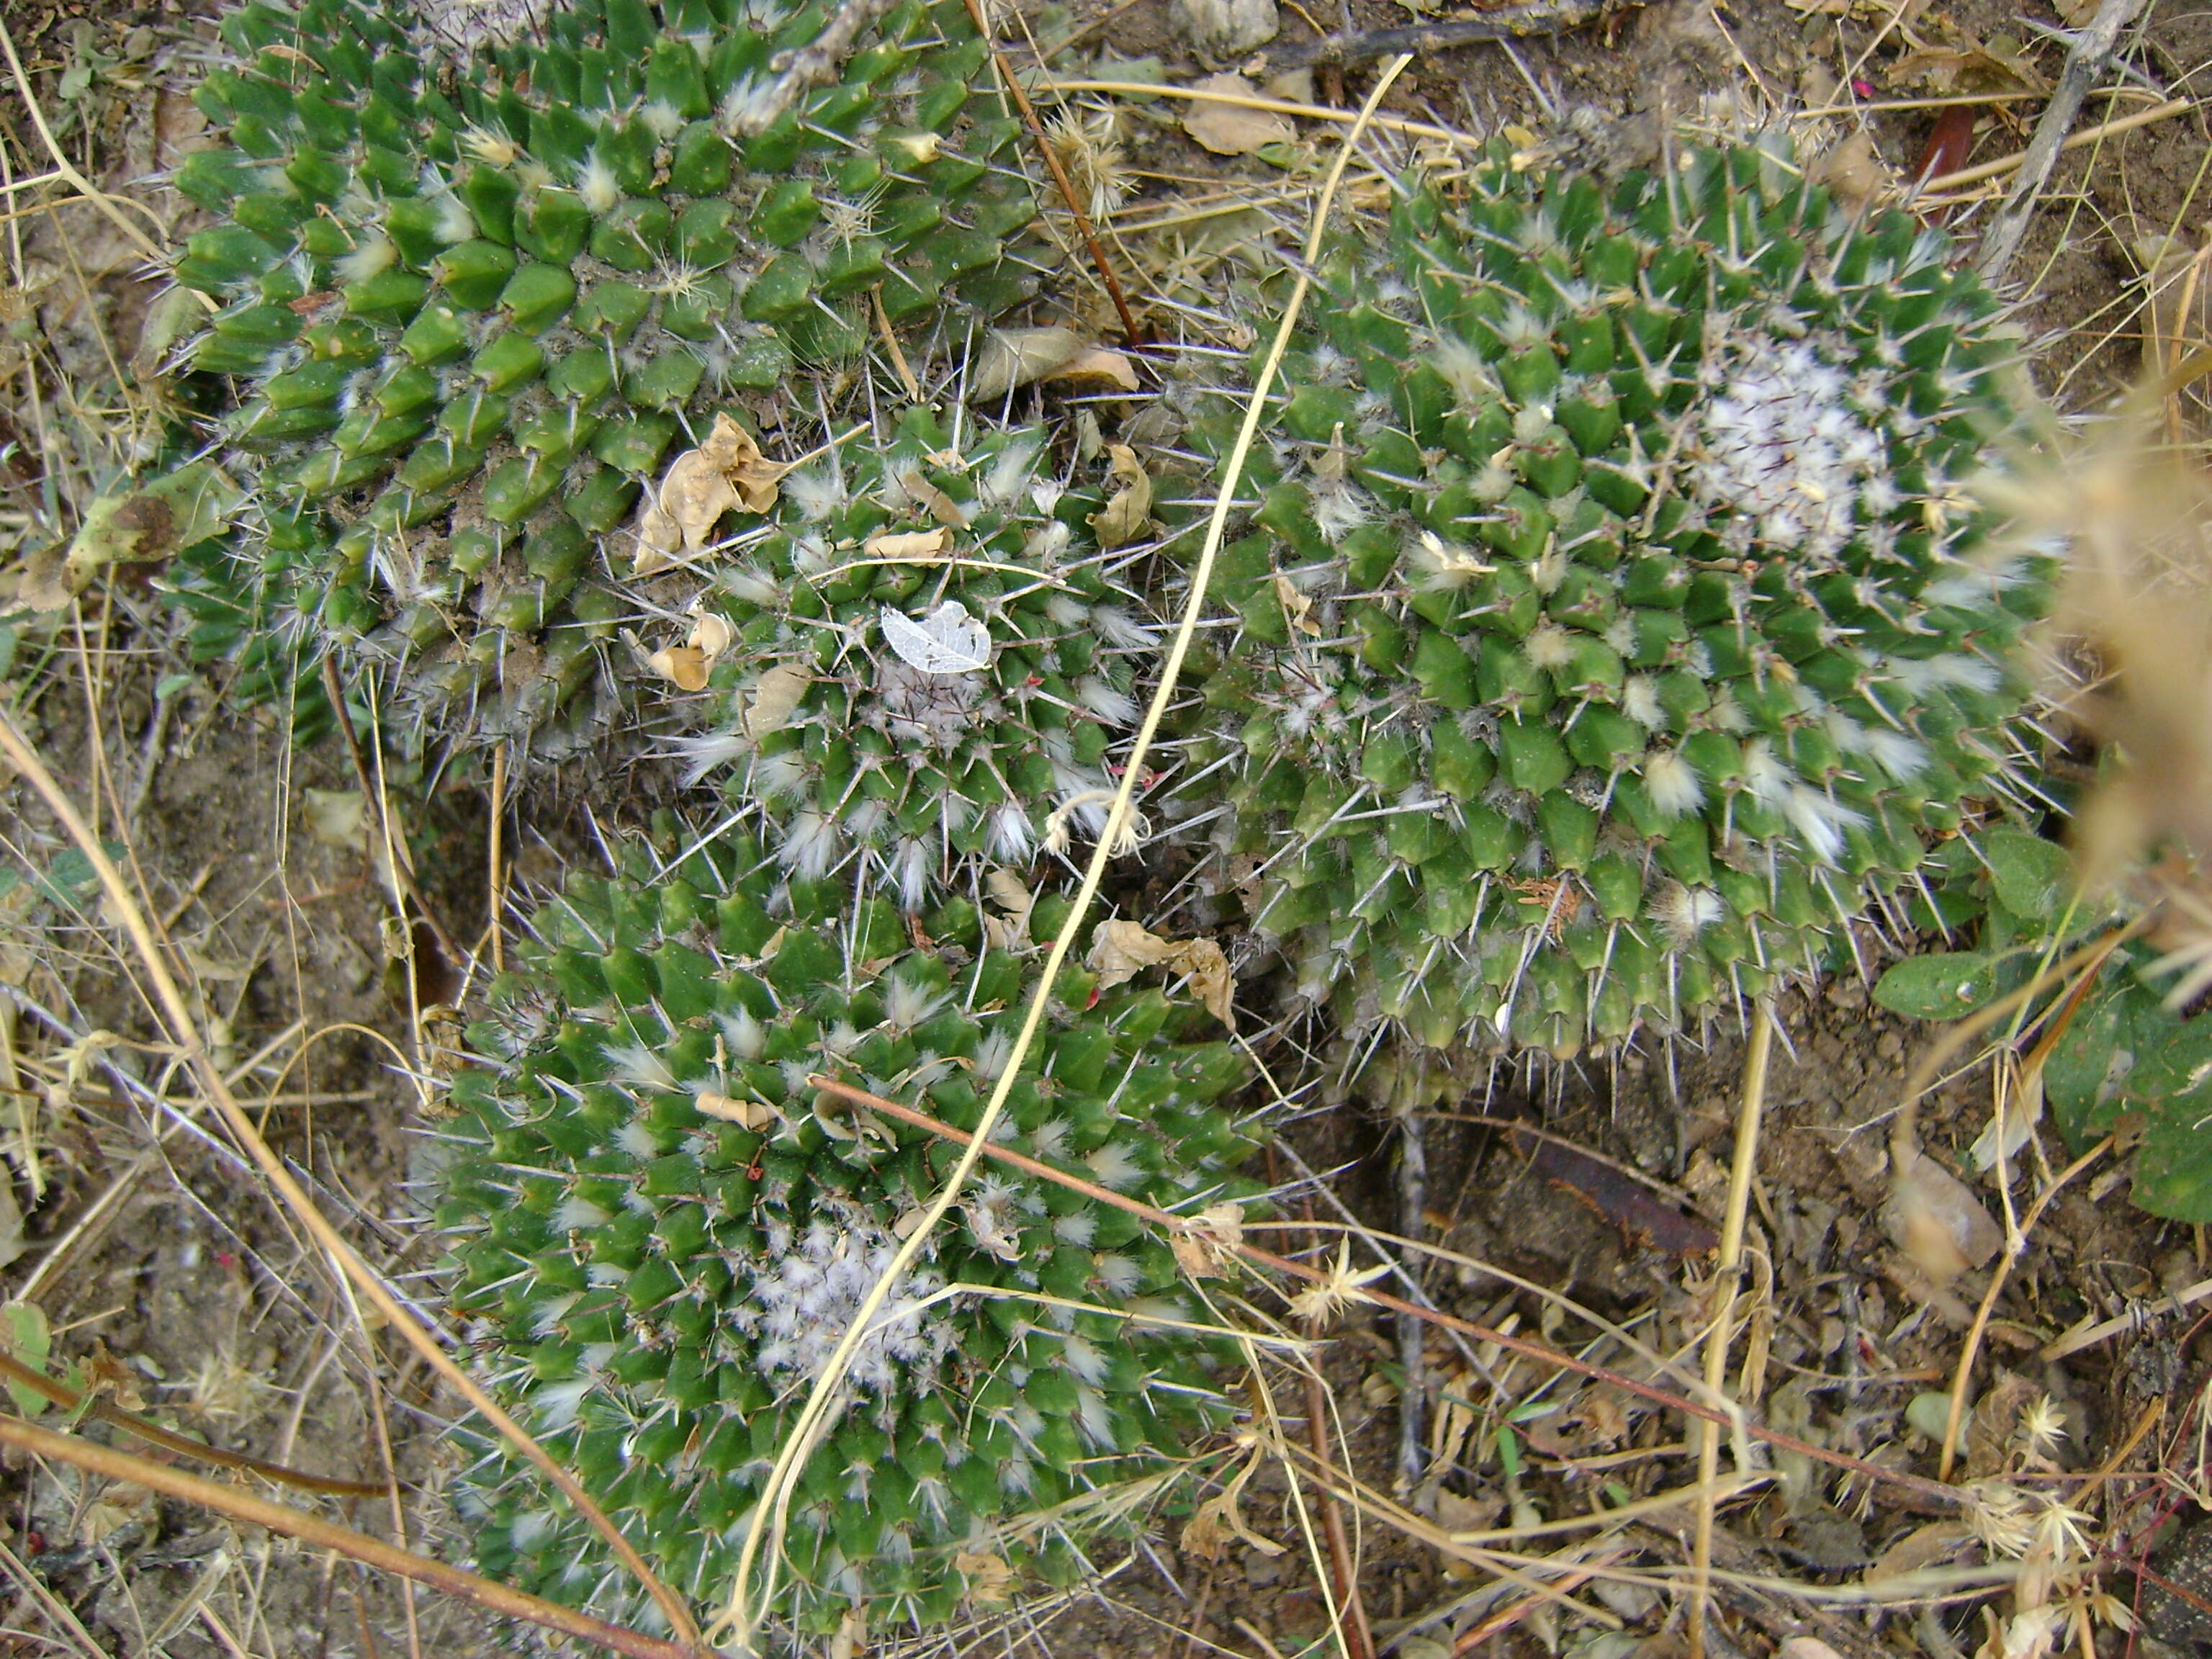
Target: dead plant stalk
(1727, 1276)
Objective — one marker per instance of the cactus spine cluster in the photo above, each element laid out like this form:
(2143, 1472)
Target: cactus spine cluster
(931, 662)
(1611, 626)
(661, 1230)
(468, 309)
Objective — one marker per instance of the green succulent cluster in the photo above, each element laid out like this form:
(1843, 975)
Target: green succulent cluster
(931, 662)
(660, 1229)
(1610, 626)
(469, 308)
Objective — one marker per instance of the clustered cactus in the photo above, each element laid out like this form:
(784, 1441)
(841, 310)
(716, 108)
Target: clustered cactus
(930, 661)
(1606, 626)
(470, 308)
(1611, 625)
(661, 1230)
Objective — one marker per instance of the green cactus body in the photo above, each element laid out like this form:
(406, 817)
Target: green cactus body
(660, 1232)
(472, 308)
(1609, 630)
(932, 663)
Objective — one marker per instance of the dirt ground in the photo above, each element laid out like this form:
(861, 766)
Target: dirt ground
(162, 1264)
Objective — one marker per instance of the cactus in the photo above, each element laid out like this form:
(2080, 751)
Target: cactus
(469, 308)
(931, 662)
(1610, 627)
(659, 1231)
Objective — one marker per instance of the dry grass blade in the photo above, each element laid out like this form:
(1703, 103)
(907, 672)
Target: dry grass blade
(327, 1535)
(744, 1614)
(185, 1033)
(1728, 1273)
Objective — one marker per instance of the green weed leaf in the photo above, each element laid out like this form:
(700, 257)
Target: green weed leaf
(2030, 875)
(1943, 985)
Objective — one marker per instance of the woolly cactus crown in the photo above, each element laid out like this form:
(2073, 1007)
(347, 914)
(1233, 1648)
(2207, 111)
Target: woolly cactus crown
(1610, 627)
(931, 661)
(660, 1232)
(470, 308)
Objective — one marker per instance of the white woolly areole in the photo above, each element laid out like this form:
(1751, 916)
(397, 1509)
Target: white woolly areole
(1782, 449)
(808, 1293)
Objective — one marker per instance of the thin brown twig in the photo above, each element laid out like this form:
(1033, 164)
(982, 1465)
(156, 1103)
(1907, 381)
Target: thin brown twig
(16, 1375)
(313, 1529)
(185, 1033)
(1130, 331)
(1934, 1491)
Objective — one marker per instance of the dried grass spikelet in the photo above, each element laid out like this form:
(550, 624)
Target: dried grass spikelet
(2129, 664)
(1088, 150)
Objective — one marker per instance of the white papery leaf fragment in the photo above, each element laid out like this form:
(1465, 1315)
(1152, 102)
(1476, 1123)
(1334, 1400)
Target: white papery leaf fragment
(948, 641)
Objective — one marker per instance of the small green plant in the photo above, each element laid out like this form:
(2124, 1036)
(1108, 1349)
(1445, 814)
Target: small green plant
(1611, 627)
(659, 1229)
(930, 662)
(468, 303)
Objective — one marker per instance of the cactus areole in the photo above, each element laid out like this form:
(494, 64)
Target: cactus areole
(471, 301)
(1611, 629)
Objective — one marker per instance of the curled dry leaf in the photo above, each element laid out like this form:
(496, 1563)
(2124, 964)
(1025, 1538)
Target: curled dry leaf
(1298, 608)
(775, 697)
(1129, 514)
(1098, 368)
(746, 1114)
(989, 1579)
(1934, 1219)
(172, 512)
(689, 666)
(726, 472)
(1227, 129)
(1120, 950)
(1013, 357)
(712, 634)
(909, 546)
(1221, 1518)
(1009, 930)
(1205, 1246)
(683, 666)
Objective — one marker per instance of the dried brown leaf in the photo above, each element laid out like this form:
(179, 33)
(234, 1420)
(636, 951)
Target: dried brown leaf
(1298, 608)
(910, 546)
(1205, 1246)
(1128, 514)
(1221, 1517)
(775, 697)
(683, 666)
(1098, 368)
(938, 505)
(731, 1109)
(1228, 129)
(1120, 950)
(726, 473)
(1013, 357)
